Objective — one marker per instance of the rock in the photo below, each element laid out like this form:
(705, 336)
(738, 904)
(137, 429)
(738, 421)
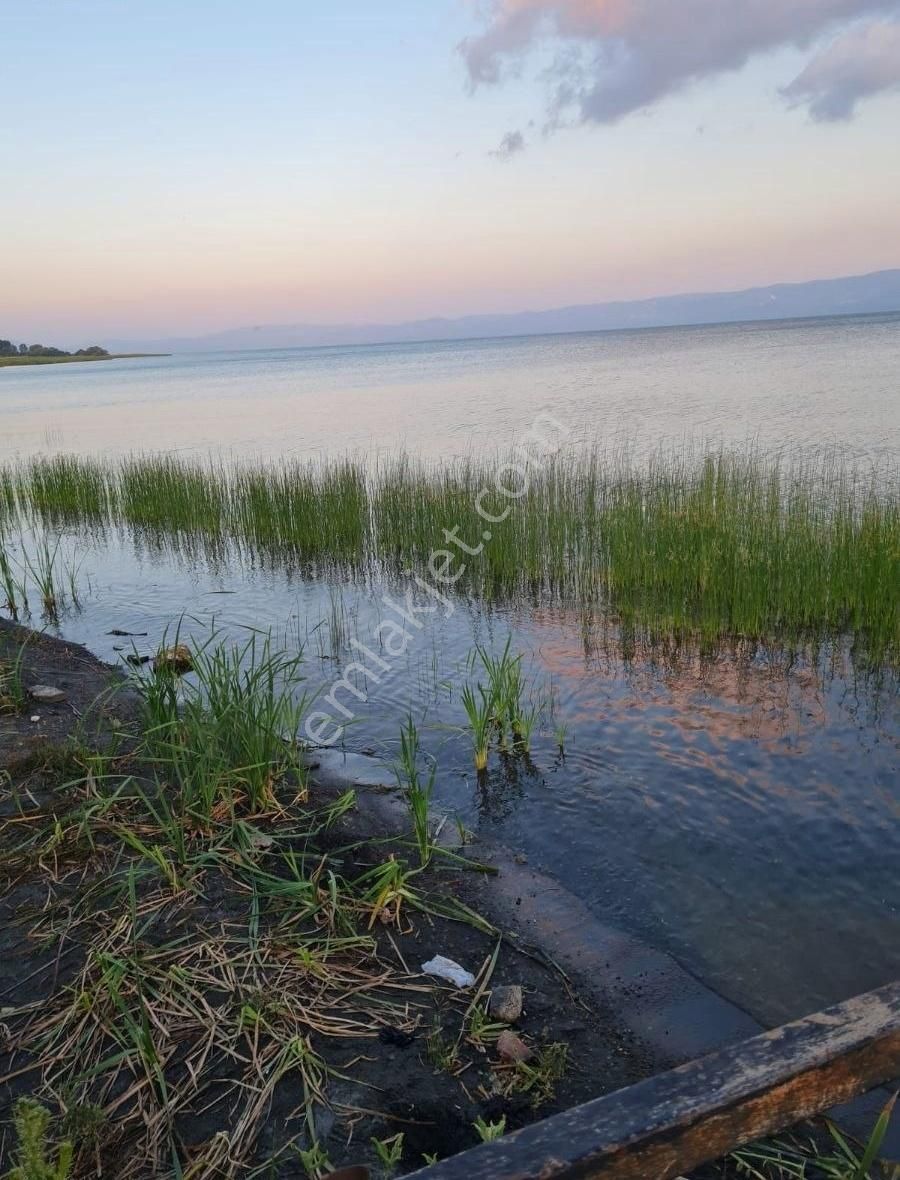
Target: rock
(511, 1047)
(177, 659)
(137, 660)
(520, 858)
(47, 694)
(447, 969)
(506, 1003)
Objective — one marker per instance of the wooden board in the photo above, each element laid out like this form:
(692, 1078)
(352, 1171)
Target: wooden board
(670, 1123)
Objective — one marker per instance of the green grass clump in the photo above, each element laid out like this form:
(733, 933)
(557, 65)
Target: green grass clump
(165, 493)
(64, 489)
(225, 735)
(294, 509)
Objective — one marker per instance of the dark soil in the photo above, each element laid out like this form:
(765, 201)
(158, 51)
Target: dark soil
(407, 1061)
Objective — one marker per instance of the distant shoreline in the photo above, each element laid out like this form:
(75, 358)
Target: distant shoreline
(10, 361)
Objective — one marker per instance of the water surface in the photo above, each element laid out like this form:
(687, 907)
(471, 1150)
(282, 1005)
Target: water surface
(740, 810)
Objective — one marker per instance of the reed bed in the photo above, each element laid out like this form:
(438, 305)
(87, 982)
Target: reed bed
(709, 545)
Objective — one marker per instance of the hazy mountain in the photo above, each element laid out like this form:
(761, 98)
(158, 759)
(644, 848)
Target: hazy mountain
(858, 294)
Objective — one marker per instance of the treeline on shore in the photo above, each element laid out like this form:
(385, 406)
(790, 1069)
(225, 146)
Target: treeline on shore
(7, 348)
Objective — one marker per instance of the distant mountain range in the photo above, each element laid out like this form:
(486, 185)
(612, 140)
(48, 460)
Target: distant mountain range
(854, 295)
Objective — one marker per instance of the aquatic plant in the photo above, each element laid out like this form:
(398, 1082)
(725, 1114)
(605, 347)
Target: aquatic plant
(44, 572)
(707, 546)
(480, 713)
(64, 489)
(417, 790)
(12, 584)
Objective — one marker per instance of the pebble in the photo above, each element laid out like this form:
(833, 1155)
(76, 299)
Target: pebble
(506, 1003)
(512, 1048)
(47, 694)
(175, 659)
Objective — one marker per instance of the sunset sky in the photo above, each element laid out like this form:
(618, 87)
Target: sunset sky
(176, 168)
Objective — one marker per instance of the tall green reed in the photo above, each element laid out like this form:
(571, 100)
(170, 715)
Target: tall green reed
(708, 545)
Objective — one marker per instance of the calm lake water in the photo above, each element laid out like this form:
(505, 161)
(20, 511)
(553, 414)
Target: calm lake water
(831, 382)
(739, 811)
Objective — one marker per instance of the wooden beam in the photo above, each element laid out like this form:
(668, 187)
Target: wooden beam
(673, 1122)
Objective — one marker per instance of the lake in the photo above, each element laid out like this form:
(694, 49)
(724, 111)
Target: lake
(737, 808)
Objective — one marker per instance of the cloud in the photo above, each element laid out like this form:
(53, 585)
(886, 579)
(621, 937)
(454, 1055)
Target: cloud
(864, 60)
(613, 57)
(512, 142)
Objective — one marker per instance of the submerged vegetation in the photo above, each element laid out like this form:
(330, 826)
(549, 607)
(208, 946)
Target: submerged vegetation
(721, 546)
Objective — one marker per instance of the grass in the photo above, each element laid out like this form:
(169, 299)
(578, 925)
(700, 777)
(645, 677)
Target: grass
(32, 1123)
(227, 735)
(45, 569)
(720, 546)
(417, 789)
(17, 361)
(216, 932)
(505, 705)
(830, 1157)
(13, 696)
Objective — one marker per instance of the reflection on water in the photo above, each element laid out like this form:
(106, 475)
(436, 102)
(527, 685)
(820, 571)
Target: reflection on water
(739, 810)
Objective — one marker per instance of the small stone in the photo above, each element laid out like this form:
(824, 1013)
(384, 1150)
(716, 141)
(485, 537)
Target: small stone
(34, 718)
(47, 694)
(177, 659)
(137, 660)
(512, 1048)
(506, 1003)
(520, 858)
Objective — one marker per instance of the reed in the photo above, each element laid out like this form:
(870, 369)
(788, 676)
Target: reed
(480, 713)
(715, 546)
(417, 789)
(63, 489)
(13, 590)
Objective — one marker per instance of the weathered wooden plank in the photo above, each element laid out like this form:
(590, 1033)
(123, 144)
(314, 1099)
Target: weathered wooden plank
(670, 1123)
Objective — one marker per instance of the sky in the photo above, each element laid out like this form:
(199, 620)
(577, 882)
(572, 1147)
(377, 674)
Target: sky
(179, 168)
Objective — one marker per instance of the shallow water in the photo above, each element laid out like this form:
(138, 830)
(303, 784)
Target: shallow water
(739, 811)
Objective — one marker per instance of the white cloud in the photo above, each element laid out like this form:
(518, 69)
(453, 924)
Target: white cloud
(613, 57)
(862, 61)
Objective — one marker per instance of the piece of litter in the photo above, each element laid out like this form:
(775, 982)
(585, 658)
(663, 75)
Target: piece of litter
(447, 969)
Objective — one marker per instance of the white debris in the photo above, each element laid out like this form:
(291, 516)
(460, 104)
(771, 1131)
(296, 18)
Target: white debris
(447, 969)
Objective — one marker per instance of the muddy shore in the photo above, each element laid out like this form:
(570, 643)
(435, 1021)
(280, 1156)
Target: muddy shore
(622, 1010)
(381, 1083)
